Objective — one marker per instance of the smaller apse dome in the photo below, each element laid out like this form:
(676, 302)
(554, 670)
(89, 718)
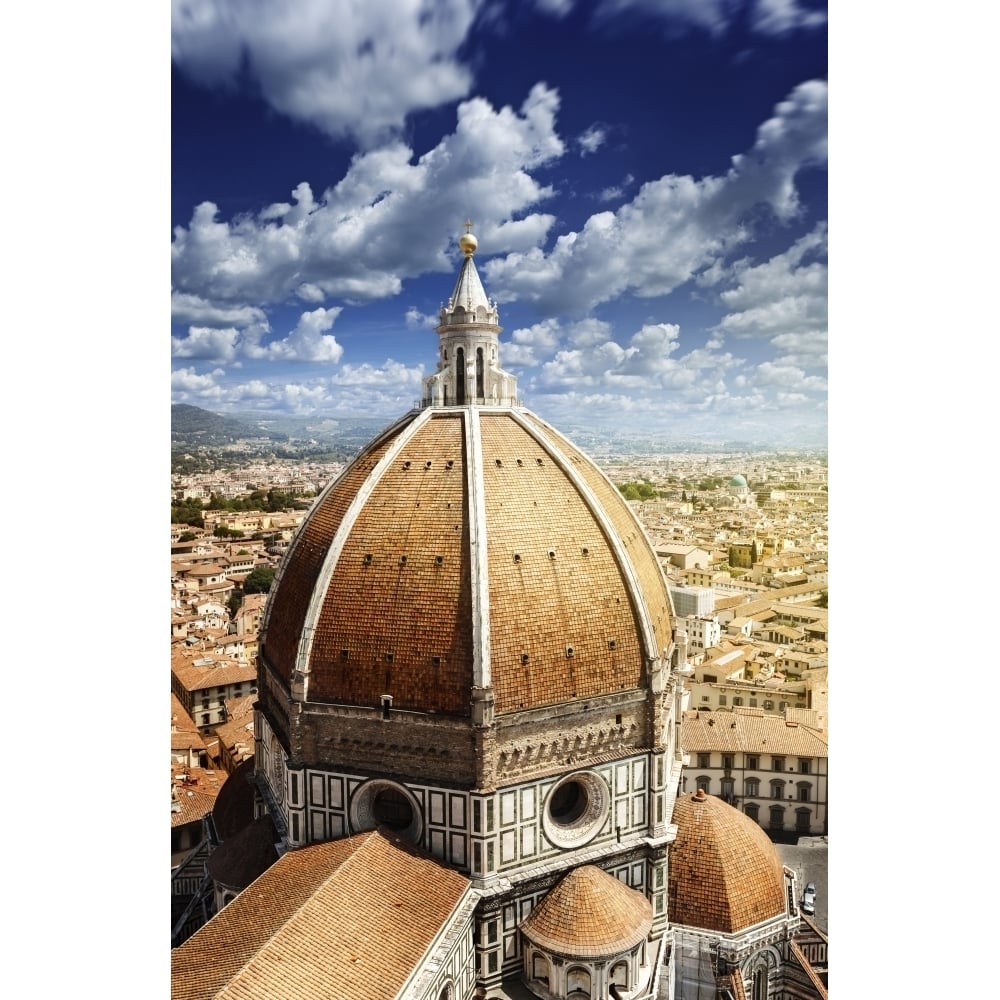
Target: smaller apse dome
(725, 874)
(589, 914)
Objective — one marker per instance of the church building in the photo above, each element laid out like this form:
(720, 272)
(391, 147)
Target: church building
(471, 683)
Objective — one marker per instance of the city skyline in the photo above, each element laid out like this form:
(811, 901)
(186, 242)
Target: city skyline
(647, 182)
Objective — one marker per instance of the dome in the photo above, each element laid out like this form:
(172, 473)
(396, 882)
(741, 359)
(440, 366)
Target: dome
(465, 548)
(725, 875)
(470, 570)
(738, 482)
(589, 914)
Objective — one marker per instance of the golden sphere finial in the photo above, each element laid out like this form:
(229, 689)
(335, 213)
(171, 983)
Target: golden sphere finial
(468, 242)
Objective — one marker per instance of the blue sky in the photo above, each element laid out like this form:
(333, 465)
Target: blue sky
(647, 180)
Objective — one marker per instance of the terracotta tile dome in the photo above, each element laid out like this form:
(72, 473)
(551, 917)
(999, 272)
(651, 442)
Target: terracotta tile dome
(589, 914)
(725, 874)
(467, 547)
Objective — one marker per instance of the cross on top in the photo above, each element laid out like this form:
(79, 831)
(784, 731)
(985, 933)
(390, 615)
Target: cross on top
(468, 225)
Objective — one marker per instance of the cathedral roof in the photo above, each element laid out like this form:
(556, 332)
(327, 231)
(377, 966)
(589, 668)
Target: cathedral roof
(589, 914)
(318, 921)
(724, 875)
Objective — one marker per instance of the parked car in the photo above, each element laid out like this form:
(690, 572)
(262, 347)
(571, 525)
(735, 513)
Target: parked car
(809, 899)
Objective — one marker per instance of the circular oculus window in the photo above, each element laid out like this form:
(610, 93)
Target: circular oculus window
(575, 809)
(385, 803)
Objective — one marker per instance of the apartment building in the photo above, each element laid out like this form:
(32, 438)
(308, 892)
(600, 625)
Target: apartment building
(774, 768)
(203, 682)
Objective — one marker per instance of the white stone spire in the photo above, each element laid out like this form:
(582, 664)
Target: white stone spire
(468, 370)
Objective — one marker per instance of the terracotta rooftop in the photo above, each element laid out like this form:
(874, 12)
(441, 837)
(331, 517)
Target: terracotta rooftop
(193, 798)
(196, 669)
(743, 732)
(589, 914)
(725, 874)
(346, 918)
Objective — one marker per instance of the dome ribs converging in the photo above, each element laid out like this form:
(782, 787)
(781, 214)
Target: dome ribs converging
(550, 569)
(395, 616)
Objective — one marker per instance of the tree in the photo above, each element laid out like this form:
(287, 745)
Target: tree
(259, 580)
(187, 536)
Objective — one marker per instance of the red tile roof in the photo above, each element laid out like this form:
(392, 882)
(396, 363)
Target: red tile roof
(346, 918)
(589, 914)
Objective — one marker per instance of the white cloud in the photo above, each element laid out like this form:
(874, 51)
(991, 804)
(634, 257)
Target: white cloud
(416, 320)
(783, 300)
(189, 386)
(780, 17)
(382, 222)
(350, 69)
(530, 345)
(648, 364)
(616, 191)
(194, 309)
(206, 342)
(786, 377)
(309, 341)
(676, 226)
(392, 374)
(591, 139)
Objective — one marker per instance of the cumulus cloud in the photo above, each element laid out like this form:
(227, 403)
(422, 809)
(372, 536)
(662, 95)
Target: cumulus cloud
(784, 300)
(350, 69)
(309, 341)
(649, 363)
(196, 310)
(392, 374)
(206, 342)
(676, 226)
(381, 222)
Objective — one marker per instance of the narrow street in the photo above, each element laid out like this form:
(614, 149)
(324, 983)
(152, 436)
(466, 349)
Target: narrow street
(809, 860)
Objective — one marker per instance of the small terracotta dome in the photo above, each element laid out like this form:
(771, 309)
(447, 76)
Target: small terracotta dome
(725, 874)
(589, 914)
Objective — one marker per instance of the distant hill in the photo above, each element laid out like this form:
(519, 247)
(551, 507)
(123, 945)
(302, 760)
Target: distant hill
(193, 427)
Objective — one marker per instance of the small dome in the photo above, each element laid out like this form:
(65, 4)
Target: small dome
(725, 874)
(589, 914)
(738, 482)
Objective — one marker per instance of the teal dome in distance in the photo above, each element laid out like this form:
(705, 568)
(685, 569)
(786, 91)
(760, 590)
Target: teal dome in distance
(738, 481)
